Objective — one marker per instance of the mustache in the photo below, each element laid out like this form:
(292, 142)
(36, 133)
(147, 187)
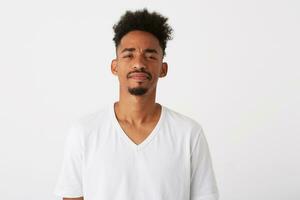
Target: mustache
(140, 71)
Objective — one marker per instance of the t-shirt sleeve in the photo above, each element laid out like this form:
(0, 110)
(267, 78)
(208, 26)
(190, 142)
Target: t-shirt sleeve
(69, 182)
(203, 182)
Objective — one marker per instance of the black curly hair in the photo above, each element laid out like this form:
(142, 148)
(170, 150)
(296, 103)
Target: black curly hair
(142, 20)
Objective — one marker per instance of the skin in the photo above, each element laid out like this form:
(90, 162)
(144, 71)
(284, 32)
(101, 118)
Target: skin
(137, 115)
(79, 198)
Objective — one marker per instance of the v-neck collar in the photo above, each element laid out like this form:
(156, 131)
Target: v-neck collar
(124, 136)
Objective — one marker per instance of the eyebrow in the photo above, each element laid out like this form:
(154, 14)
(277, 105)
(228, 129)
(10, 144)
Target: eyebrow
(148, 50)
(151, 51)
(128, 49)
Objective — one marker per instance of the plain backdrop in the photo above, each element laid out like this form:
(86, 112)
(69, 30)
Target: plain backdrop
(233, 67)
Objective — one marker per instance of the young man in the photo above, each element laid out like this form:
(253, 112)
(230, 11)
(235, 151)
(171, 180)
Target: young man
(137, 149)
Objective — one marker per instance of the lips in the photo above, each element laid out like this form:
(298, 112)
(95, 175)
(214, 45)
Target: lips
(139, 76)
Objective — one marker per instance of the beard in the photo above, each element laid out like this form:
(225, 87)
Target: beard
(137, 91)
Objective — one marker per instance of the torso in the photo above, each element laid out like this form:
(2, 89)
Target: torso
(114, 168)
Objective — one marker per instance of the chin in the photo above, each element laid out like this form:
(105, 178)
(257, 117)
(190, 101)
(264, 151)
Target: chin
(138, 91)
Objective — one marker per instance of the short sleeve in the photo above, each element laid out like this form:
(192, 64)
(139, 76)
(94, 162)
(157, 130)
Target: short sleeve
(69, 182)
(203, 183)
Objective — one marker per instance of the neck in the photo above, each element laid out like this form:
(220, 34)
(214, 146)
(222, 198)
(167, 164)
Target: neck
(137, 110)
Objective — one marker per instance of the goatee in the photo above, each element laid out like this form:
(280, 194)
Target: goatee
(138, 91)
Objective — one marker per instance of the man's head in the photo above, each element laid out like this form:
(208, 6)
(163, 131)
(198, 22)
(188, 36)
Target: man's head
(142, 20)
(140, 39)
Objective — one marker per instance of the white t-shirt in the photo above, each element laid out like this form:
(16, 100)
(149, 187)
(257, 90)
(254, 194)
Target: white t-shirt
(102, 163)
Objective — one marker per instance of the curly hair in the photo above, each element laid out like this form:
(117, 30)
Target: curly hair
(142, 20)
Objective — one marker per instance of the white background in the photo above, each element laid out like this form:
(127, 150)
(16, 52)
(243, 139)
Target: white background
(233, 66)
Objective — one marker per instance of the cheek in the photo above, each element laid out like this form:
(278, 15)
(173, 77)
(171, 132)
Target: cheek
(122, 74)
(158, 71)
(122, 69)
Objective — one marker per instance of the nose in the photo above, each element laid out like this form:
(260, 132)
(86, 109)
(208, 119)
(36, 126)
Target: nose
(139, 63)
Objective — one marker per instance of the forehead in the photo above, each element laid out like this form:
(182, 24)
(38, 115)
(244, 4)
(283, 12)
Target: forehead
(139, 40)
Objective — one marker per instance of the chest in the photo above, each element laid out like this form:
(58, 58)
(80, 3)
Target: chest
(159, 169)
(137, 134)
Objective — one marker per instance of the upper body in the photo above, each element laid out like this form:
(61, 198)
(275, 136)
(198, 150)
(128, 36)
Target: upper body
(102, 162)
(137, 148)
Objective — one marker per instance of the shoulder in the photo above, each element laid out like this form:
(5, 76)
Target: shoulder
(91, 121)
(183, 123)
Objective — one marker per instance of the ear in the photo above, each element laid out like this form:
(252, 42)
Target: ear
(164, 69)
(114, 67)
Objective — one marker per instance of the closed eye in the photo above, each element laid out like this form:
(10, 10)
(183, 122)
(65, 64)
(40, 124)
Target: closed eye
(128, 56)
(151, 57)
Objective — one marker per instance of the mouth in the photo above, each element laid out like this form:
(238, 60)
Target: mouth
(139, 76)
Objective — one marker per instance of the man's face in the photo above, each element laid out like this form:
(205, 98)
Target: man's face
(139, 62)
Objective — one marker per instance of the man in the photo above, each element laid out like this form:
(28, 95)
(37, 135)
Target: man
(137, 149)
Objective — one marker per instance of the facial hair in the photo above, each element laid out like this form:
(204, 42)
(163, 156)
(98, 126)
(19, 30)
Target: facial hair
(137, 91)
